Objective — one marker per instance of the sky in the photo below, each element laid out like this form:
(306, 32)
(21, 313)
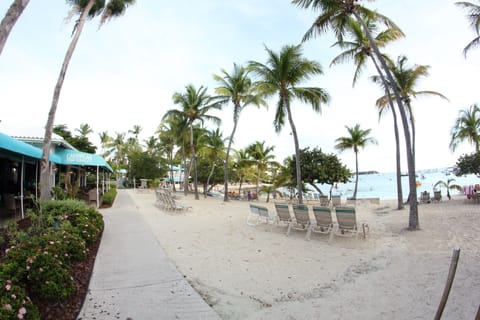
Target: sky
(125, 73)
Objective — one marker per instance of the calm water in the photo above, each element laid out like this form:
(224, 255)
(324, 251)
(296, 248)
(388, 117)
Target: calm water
(384, 185)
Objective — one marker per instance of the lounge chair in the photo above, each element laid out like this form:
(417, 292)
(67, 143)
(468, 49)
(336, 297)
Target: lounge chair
(336, 201)
(347, 223)
(437, 196)
(301, 221)
(425, 197)
(258, 213)
(323, 221)
(324, 200)
(283, 213)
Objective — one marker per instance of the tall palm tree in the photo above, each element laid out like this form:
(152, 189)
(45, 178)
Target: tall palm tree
(11, 17)
(334, 15)
(282, 75)
(238, 88)
(152, 145)
(85, 9)
(473, 17)
(135, 131)
(357, 138)
(195, 106)
(261, 156)
(242, 166)
(104, 141)
(467, 128)
(358, 49)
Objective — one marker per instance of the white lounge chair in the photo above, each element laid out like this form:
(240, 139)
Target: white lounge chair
(347, 223)
(323, 221)
(301, 221)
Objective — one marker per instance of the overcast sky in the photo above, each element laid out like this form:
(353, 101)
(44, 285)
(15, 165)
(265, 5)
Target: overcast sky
(125, 73)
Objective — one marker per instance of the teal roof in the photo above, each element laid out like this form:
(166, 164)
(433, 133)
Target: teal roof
(74, 157)
(16, 146)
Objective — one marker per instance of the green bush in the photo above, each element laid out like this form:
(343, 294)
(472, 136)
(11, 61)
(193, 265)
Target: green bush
(109, 196)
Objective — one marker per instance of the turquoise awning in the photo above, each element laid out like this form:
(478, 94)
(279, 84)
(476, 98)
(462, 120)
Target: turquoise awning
(78, 158)
(19, 147)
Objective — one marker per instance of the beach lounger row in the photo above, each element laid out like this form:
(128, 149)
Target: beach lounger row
(346, 222)
(166, 200)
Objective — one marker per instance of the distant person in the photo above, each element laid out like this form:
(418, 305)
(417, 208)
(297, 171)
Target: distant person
(249, 196)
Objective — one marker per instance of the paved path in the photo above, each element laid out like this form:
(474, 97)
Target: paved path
(133, 278)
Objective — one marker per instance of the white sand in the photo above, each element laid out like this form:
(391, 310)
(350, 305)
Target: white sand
(258, 272)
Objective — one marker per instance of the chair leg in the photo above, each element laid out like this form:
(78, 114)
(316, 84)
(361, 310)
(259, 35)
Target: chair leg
(309, 233)
(288, 229)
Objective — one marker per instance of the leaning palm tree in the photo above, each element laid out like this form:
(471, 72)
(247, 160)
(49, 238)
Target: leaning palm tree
(212, 147)
(282, 75)
(85, 9)
(449, 186)
(11, 17)
(357, 48)
(357, 138)
(473, 17)
(195, 106)
(238, 88)
(334, 15)
(467, 128)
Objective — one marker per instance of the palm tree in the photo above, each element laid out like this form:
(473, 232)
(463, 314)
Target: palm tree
(135, 131)
(357, 138)
(238, 88)
(261, 156)
(467, 127)
(281, 75)
(359, 50)
(104, 141)
(449, 186)
(152, 145)
(242, 166)
(86, 9)
(334, 15)
(11, 17)
(473, 17)
(212, 148)
(195, 105)
(84, 130)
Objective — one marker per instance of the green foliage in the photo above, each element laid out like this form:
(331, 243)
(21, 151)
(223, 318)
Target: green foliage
(109, 196)
(448, 185)
(14, 302)
(144, 165)
(468, 164)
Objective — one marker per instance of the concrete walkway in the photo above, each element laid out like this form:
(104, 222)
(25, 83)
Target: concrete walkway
(133, 278)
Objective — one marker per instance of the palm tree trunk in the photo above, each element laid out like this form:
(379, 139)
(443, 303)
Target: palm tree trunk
(208, 180)
(225, 186)
(45, 184)
(397, 137)
(11, 17)
(356, 176)
(194, 161)
(297, 153)
(413, 223)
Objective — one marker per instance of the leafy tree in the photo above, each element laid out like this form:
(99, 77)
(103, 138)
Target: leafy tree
(467, 128)
(142, 165)
(80, 143)
(468, 164)
(212, 149)
(261, 156)
(320, 168)
(473, 17)
(85, 9)
(449, 186)
(242, 167)
(357, 138)
(84, 130)
(238, 88)
(282, 75)
(11, 17)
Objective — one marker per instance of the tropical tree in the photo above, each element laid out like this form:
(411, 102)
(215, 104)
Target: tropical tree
(212, 148)
(11, 17)
(473, 17)
(261, 156)
(135, 131)
(152, 145)
(104, 141)
(281, 75)
(358, 49)
(85, 9)
(195, 106)
(242, 166)
(468, 164)
(449, 186)
(238, 88)
(84, 130)
(357, 139)
(335, 15)
(467, 128)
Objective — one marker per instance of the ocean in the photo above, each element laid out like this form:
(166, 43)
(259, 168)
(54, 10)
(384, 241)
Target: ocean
(384, 185)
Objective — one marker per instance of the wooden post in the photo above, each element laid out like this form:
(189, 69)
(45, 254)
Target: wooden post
(448, 285)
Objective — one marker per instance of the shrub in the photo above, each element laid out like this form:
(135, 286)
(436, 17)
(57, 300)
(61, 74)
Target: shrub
(109, 196)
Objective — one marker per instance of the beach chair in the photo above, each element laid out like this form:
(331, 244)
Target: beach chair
(323, 221)
(323, 200)
(425, 197)
(301, 221)
(347, 223)
(283, 213)
(437, 196)
(336, 201)
(257, 213)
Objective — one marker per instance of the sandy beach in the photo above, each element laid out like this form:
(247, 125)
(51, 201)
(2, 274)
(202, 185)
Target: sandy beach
(247, 272)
